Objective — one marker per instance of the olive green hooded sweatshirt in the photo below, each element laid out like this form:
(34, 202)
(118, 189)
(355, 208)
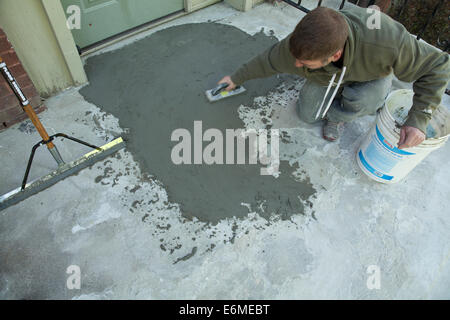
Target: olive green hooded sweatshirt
(369, 54)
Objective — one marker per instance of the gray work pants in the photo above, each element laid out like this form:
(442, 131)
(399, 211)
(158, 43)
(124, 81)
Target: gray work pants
(354, 100)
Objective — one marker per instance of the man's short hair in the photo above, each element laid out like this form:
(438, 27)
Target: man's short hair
(319, 35)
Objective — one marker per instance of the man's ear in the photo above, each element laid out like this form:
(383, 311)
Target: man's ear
(337, 55)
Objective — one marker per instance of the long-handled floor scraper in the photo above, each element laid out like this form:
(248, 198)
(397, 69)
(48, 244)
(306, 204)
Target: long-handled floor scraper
(64, 169)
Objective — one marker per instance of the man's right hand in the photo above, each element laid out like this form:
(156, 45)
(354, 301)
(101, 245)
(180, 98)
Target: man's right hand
(228, 81)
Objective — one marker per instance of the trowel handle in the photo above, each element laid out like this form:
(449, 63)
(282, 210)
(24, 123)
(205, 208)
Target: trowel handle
(219, 88)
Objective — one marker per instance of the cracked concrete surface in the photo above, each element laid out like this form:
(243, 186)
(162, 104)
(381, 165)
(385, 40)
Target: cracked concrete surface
(130, 240)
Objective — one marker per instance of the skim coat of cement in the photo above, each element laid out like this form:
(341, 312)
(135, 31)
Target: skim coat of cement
(154, 252)
(156, 85)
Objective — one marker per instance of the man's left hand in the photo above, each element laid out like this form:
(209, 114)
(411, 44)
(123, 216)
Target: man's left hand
(410, 137)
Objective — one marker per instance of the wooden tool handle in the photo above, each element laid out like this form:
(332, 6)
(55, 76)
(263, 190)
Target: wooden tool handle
(25, 103)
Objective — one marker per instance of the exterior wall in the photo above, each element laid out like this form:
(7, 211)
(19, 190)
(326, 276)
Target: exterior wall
(192, 5)
(10, 108)
(46, 50)
(243, 5)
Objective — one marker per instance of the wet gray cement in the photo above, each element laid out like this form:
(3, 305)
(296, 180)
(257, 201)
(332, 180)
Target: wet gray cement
(157, 85)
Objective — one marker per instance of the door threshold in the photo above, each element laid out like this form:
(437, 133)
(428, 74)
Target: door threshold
(129, 33)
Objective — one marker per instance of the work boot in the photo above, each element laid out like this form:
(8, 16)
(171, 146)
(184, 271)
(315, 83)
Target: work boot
(330, 130)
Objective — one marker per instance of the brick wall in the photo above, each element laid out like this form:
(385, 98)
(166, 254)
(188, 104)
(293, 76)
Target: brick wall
(10, 108)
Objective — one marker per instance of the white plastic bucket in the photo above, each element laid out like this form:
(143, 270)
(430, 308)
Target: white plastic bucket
(378, 156)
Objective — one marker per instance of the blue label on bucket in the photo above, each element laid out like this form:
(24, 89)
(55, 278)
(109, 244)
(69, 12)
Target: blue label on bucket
(380, 156)
(388, 145)
(372, 170)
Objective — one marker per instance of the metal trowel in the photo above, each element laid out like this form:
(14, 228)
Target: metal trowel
(219, 92)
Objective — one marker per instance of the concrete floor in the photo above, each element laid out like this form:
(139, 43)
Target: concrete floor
(131, 243)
